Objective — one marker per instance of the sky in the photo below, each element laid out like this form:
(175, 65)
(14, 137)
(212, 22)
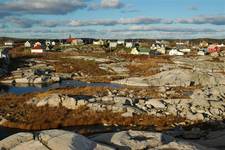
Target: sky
(120, 19)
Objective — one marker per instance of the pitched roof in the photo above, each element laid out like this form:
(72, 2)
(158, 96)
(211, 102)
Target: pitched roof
(37, 47)
(141, 49)
(69, 40)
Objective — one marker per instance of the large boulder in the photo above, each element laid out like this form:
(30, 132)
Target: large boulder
(57, 100)
(133, 139)
(16, 140)
(53, 100)
(156, 103)
(65, 140)
(22, 80)
(50, 139)
(69, 102)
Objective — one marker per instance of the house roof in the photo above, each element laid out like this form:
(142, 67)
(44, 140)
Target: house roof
(69, 40)
(9, 41)
(212, 46)
(37, 47)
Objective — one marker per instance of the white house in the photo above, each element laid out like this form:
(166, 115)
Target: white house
(37, 48)
(157, 45)
(112, 44)
(158, 42)
(182, 43)
(47, 42)
(140, 51)
(129, 44)
(9, 43)
(27, 44)
(221, 45)
(185, 50)
(175, 52)
(120, 42)
(134, 51)
(53, 43)
(201, 53)
(162, 50)
(99, 42)
(153, 47)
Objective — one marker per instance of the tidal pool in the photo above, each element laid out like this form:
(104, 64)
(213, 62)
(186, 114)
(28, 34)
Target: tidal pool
(30, 88)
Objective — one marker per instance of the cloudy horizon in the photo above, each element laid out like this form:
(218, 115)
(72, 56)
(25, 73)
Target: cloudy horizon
(153, 19)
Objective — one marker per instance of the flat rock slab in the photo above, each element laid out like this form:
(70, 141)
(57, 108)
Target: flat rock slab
(66, 140)
(176, 77)
(50, 139)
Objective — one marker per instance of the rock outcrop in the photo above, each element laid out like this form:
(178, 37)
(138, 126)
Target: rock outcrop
(36, 73)
(183, 72)
(65, 140)
(203, 105)
(52, 139)
(176, 77)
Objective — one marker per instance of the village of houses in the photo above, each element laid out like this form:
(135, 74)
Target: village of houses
(176, 87)
(134, 47)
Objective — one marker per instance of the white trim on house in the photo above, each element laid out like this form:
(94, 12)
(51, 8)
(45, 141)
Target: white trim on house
(37, 50)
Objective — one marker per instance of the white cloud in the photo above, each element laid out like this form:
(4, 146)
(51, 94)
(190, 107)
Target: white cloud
(42, 6)
(215, 20)
(106, 4)
(27, 23)
(122, 21)
(111, 4)
(171, 29)
(132, 32)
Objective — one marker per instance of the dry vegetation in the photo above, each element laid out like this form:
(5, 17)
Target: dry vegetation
(33, 118)
(46, 118)
(23, 116)
(89, 68)
(61, 64)
(145, 65)
(101, 78)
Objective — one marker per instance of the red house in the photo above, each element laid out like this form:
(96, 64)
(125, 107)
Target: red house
(213, 48)
(37, 48)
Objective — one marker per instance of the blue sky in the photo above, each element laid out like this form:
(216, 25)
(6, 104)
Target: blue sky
(113, 18)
